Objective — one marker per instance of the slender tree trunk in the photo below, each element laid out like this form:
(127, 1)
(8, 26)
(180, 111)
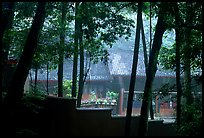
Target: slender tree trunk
(146, 64)
(178, 78)
(15, 91)
(75, 62)
(60, 76)
(87, 69)
(187, 52)
(31, 80)
(61, 51)
(47, 78)
(36, 78)
(151, 71)
(81, 74)
(150, 47)
(134, 70)
(178, 68)
(150, 27)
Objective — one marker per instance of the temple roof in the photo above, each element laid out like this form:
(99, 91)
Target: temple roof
(120, 63)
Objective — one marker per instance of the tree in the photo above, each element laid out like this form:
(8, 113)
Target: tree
(15, 91)
(151, 71)
(75, 61)
(134, 70)
(81, 52)
(185, 57)
(178, 79)
(101, 29)
(187, 52)
(146, 59)
(61, 52)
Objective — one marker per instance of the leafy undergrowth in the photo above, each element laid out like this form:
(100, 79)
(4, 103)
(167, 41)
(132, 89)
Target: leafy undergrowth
(28, 116)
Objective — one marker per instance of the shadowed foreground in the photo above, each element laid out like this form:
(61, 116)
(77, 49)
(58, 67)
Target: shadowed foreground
(60, 117)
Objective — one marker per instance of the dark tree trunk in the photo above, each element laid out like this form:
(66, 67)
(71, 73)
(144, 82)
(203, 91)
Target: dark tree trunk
(146, 64)
(74, 75)
(187, 52)
(36, 78)
(144, 47)
(178, 68)
(47, 78)
(61, 52)
(178, 78)
(151, 71)
(60, 76)
(150, 47)
(150, 27)
(134, 70)
(15, 91)
(88, 66)
(81, 73)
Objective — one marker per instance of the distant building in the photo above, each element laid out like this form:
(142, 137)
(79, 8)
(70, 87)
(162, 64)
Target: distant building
(115, 76)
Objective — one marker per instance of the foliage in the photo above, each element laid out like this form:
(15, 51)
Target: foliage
(165, 89)
(194, 46)
(191, 121)
(111, 99)
(26, 132)
(67, 88)
(100, 29)
(112, 95)
(103, 27)
(32, 101)
(29, 110)
(23, 17)
(92, 96)
(167, 57)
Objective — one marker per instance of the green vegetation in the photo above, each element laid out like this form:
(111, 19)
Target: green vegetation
(110, 99)
(191, 121)
(67, 88)
(41, 35)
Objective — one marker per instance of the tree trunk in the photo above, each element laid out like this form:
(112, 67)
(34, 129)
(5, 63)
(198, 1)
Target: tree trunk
(150, 47)
(74, 75)
(60, 76)
(150, 27)
(36, 78)
(187, 52)
(178, 68)
(87, 67)
(134, 70)
(61, 52)
(47, 78)
(146, 64)
(151, 71)
(81, 73)
(15, 91)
